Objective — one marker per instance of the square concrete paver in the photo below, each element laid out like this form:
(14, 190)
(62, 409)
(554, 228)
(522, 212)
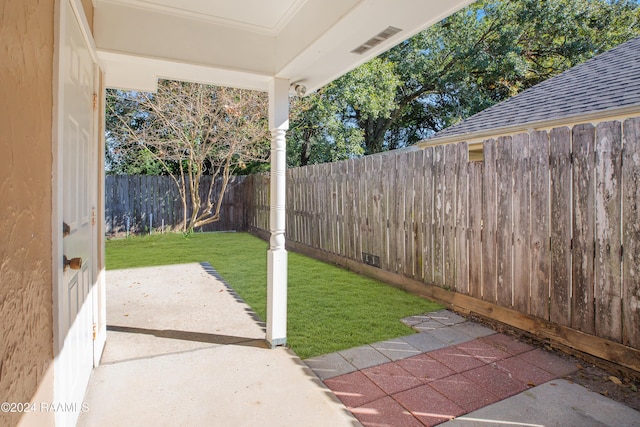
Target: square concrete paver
(456, 359)
(425, 368)
(473, 329)
(447, 317)
(428, 325)
(498, 382)
(364, 356)
(451, 336)
(385, 412)
(524, 371)
(556, 365)
(329, 366)
(428, 406)
(464, 392)
(396, 349)
(424, 341)
(483, 351)
(508, 344)
(354, 389)
(391, 378)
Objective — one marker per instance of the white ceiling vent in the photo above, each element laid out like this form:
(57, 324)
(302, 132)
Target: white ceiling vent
(376, 40)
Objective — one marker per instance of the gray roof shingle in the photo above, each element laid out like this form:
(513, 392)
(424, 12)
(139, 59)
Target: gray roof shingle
(609, 80)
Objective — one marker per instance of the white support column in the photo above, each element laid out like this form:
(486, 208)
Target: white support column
(277, 255)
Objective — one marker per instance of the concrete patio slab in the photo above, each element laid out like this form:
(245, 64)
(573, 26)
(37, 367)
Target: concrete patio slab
(183, 350)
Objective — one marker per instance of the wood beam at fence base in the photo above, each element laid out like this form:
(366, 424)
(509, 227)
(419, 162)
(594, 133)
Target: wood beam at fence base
(619, 354)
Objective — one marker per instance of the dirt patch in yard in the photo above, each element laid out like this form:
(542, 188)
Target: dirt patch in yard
(620, 389)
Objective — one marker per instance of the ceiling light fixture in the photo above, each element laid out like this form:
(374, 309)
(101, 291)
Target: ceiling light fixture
(299, 89)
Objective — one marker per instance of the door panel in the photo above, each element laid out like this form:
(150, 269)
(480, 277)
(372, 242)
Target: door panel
(75, 309)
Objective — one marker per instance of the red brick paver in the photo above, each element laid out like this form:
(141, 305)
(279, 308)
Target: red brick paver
(385, 412)
(507, 344)
(524, 371)
(500, 383)
(455, 358)
(464, 392)
(391, 378)
(429, 406)
(426, 368)
(354, 389)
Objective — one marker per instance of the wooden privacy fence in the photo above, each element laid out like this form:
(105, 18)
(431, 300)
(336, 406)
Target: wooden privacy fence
(139, 204)
(547, 225)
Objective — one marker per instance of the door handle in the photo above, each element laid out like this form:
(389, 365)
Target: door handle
(73, 263)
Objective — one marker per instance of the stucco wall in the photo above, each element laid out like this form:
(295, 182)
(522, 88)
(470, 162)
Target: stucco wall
(26, 318)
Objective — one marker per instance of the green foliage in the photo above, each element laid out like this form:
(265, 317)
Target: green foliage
(484, 54)
(369, 90)
(329, 308)
(317, 134)
(124, 155)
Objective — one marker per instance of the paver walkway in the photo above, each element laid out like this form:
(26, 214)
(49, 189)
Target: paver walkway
(452, 367)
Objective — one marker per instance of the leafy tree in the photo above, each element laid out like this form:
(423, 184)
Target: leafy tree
(317, 134)
(485, 53)
(188, 130)
(324, 126)
(124, 155)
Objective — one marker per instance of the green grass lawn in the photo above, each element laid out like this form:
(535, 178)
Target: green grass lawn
(329, 308)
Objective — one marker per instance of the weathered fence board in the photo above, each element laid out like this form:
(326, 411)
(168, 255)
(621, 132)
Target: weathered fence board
(582, 308)
(608, 238)
(418, 218)
(438, 214)
(461, 283)
(475, 229)
(540, 262)
(504, 231)
(631, 234)
(489, 219)
(449, 215)
(560, 172)
(409, 195)
(521, 283)
(428, 215)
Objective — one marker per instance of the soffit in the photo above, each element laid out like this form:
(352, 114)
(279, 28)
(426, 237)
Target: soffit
(245, 43)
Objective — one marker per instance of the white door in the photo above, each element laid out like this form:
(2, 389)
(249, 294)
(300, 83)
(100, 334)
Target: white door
(77, 182)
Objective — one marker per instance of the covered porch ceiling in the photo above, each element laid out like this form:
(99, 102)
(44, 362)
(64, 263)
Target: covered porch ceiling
(246, 43)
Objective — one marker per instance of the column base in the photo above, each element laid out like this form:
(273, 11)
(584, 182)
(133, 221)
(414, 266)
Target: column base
(276, 297)
(280, 342)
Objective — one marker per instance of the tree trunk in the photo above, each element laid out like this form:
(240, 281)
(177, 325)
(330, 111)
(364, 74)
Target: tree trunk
(305, 151)
(374, 132)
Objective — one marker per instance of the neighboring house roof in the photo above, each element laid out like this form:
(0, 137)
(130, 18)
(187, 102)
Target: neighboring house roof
(608, 81)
